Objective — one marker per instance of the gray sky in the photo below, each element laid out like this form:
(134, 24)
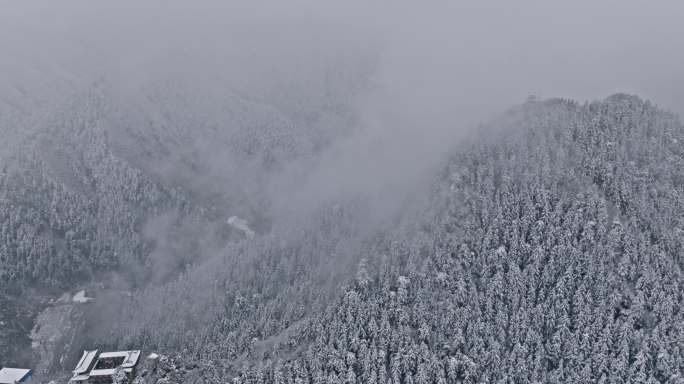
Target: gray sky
(472, 55)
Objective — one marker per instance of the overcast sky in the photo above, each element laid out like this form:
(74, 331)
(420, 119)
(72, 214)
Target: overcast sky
(476, 56)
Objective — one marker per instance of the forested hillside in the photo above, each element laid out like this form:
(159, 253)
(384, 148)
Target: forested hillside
(293, 192)
(67, 203)
(550, 251)
(72, 209)
(120, 193)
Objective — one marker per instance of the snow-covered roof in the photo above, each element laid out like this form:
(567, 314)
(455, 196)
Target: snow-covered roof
(109, 355)
(93, 364)
(80, 297)
(14, 375)
(108, 372)
(86, 362)
(130, 357)
(102, 372)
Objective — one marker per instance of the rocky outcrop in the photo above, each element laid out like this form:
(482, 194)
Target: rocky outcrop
(56, 333)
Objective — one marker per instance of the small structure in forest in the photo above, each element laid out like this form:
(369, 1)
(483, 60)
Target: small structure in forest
(15, 376)
(100, 367)
(81, 298)
(242, 225)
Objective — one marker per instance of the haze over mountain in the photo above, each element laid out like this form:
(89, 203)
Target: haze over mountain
(358, 193)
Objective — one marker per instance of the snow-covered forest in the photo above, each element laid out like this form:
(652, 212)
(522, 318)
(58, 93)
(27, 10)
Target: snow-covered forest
(315, 198)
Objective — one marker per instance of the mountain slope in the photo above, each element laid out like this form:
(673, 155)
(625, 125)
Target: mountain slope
(117, 189)
(549, 249)
(551, 253)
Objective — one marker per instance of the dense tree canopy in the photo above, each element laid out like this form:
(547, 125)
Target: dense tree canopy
(552, 253)
(548, 250)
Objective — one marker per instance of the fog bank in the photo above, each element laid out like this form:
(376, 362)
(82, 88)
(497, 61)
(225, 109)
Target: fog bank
(411, 77)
